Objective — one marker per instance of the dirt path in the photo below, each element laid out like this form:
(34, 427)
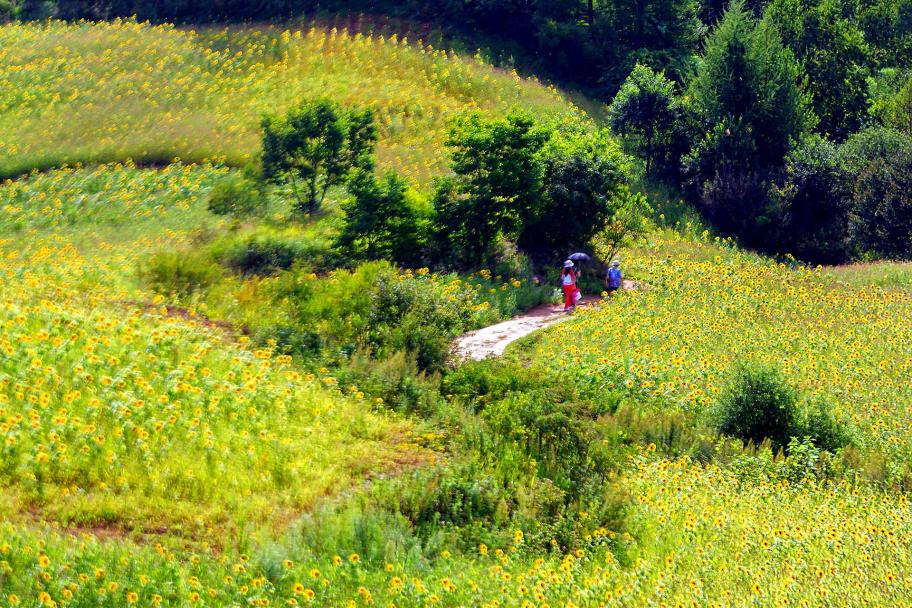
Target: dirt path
(491, 341)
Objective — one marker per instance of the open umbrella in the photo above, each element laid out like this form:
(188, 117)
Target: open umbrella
(578, 258)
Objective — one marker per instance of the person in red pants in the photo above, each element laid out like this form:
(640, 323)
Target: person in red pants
(568, 283)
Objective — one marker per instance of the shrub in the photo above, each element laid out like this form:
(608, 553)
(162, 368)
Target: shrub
(235, 195)
(818, 423)
(758, 404)
(380, 220)
(396, 380)
(407, 315)
(292, 339)
(882, 219)
(815, 203)
(487, 380)
(264, 253)
(180, 272)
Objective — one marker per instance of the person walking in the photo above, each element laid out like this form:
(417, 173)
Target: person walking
(614, 278)
(568, 284)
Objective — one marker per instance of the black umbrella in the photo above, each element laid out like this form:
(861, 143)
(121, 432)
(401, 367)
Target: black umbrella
(579, 258)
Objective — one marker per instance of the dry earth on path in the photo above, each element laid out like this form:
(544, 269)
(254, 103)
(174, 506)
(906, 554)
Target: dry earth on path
(491, 341)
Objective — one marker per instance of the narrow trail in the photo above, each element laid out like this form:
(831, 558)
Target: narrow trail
(493, 340)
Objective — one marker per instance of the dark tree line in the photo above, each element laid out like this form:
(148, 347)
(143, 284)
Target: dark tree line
(789, 135)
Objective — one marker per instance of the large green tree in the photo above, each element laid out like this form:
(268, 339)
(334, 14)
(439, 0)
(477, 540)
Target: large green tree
(644, 113)
(749, 92)
(380, 221)
(584, 172)
(314, 147)
(834, 54)
(497, 183)
(747, 76)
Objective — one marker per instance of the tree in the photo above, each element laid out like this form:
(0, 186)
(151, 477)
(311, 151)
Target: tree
(662, 33)
(816, 201)
(578, 200)
(834, 54)
(644, 112)
(583, 169)
(317, 144)
(497, 183)
(380, 222)
(887, 26)
(747, 76)
(881, 220)
(749, 93)
(628, 223)
(897, 109)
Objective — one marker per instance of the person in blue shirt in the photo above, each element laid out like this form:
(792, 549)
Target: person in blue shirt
(614, 277)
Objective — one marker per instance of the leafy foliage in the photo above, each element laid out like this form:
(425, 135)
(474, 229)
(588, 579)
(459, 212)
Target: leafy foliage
(627, 224)
(835, 56)
(882, 221)
(758, 404)
(584, 175)
(236, 195)
(497, 185)
(644, 112)
(317, 143)
(749, 91)
(381, 221)
(815, 204)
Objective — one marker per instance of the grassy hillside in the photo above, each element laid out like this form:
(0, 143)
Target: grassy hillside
(120, 413)
(123, 90)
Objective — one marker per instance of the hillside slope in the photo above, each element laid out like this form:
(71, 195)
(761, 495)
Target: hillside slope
(115, 91)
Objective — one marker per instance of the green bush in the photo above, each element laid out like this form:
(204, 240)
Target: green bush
(180, 272)
(263, 254)
(292, 339)
(758, 404)
(396, 379)
(481, 382)
(236, 195)
(408, 316)
(818, 423)
(8, 11)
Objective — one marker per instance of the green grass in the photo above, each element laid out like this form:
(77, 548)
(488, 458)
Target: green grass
(875, 274)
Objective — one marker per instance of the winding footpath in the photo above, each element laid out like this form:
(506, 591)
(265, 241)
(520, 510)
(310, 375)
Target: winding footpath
(493, 340)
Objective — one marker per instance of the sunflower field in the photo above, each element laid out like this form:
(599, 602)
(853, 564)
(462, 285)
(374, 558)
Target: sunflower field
(104, 92)
(181, 427)
(705, 306)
